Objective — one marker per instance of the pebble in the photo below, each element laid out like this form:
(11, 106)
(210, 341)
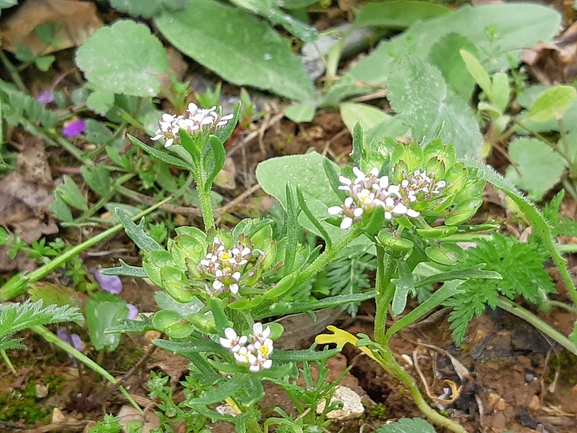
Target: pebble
(352, 406)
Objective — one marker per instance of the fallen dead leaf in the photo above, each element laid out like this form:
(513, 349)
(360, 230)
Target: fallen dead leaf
(78, 20)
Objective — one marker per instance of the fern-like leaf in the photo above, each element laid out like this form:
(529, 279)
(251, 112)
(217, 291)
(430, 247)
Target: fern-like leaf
(520, 265)
(16, 317)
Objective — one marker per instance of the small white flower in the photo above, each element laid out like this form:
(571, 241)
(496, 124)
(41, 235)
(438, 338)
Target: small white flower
(335, 210)
(233, 342)
(260, 334)
(242, 356)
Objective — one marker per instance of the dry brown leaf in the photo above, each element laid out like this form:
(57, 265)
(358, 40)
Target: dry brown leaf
(78, 20)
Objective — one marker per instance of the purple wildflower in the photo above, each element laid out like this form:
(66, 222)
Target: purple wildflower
(132, 312)
(45, 97)
(74, 128)
(109, 283)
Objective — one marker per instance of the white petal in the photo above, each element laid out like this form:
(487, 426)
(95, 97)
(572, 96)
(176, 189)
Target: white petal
(358, 212)
(335, 210)
(374, 171)
(230, 334)
(267, 364)
(412, 213)
(233, 288)
(346, 223)
(257, 328)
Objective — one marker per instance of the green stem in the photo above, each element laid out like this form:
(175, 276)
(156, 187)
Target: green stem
(392, 367)
(548, 330)
(385, 291)
(51, 338)
(326, 257)
(13, 72)
(205, 207)
(562, 305)
(19, 283)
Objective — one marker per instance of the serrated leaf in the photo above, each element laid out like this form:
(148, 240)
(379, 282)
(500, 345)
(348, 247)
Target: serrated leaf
(552, 103)
(406, 425)
(123, 58)
(136, 232)
(445, 55)
(538, 167)
(259, 58)
(418, 92)
(125, 270)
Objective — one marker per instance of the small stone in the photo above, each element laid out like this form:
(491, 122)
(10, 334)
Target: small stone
(352, 406)
(225, 409)
(496, 402)
(57, 416)
(535, 404)
(41, 391)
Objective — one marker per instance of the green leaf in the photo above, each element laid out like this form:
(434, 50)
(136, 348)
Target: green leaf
(501, 91)
(160, 155)
(260, 57)
(145, 8)
(227, 387)
(304, 112)
(102, 310)
(97, 178)
(403, 285)
(499, 31)
(71, 194)
(125, 270)
(552, 103)
(300, 170)
(16, 317)
(418, 92)
(398, 14)
(478, 72)
(100, 102)
(60, 209)
(97, 133)
(538, 167)
(407, 425)
(123, 58)
(446, 56)
(269, 10)
(136, 232)
(43, 63)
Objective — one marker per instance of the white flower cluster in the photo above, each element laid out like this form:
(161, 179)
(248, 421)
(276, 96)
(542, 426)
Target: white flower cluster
(253, 350)
(223, 266)
(368, 191)
(198, 119)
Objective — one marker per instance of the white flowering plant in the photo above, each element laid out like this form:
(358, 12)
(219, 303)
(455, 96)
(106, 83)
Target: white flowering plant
(405, 204)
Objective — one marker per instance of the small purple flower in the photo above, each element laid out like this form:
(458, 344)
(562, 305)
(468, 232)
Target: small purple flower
(74, 128)
(110, 283)
(72, 339)
(45, 97)
(132, 312)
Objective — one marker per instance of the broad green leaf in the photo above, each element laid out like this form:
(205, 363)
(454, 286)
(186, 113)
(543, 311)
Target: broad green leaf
(96, 132)
(146, 8)
(71, 194)
(538, 167)
(499, 31)
(123, 58)
(418, 92)
(100, 102)
(238, 47)
(407, 425)
(478, 72)
(376, 123)
(528, 97)
(552, 102)
(398, 14)
(445, 55)
(301, 112)
(102, 310)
